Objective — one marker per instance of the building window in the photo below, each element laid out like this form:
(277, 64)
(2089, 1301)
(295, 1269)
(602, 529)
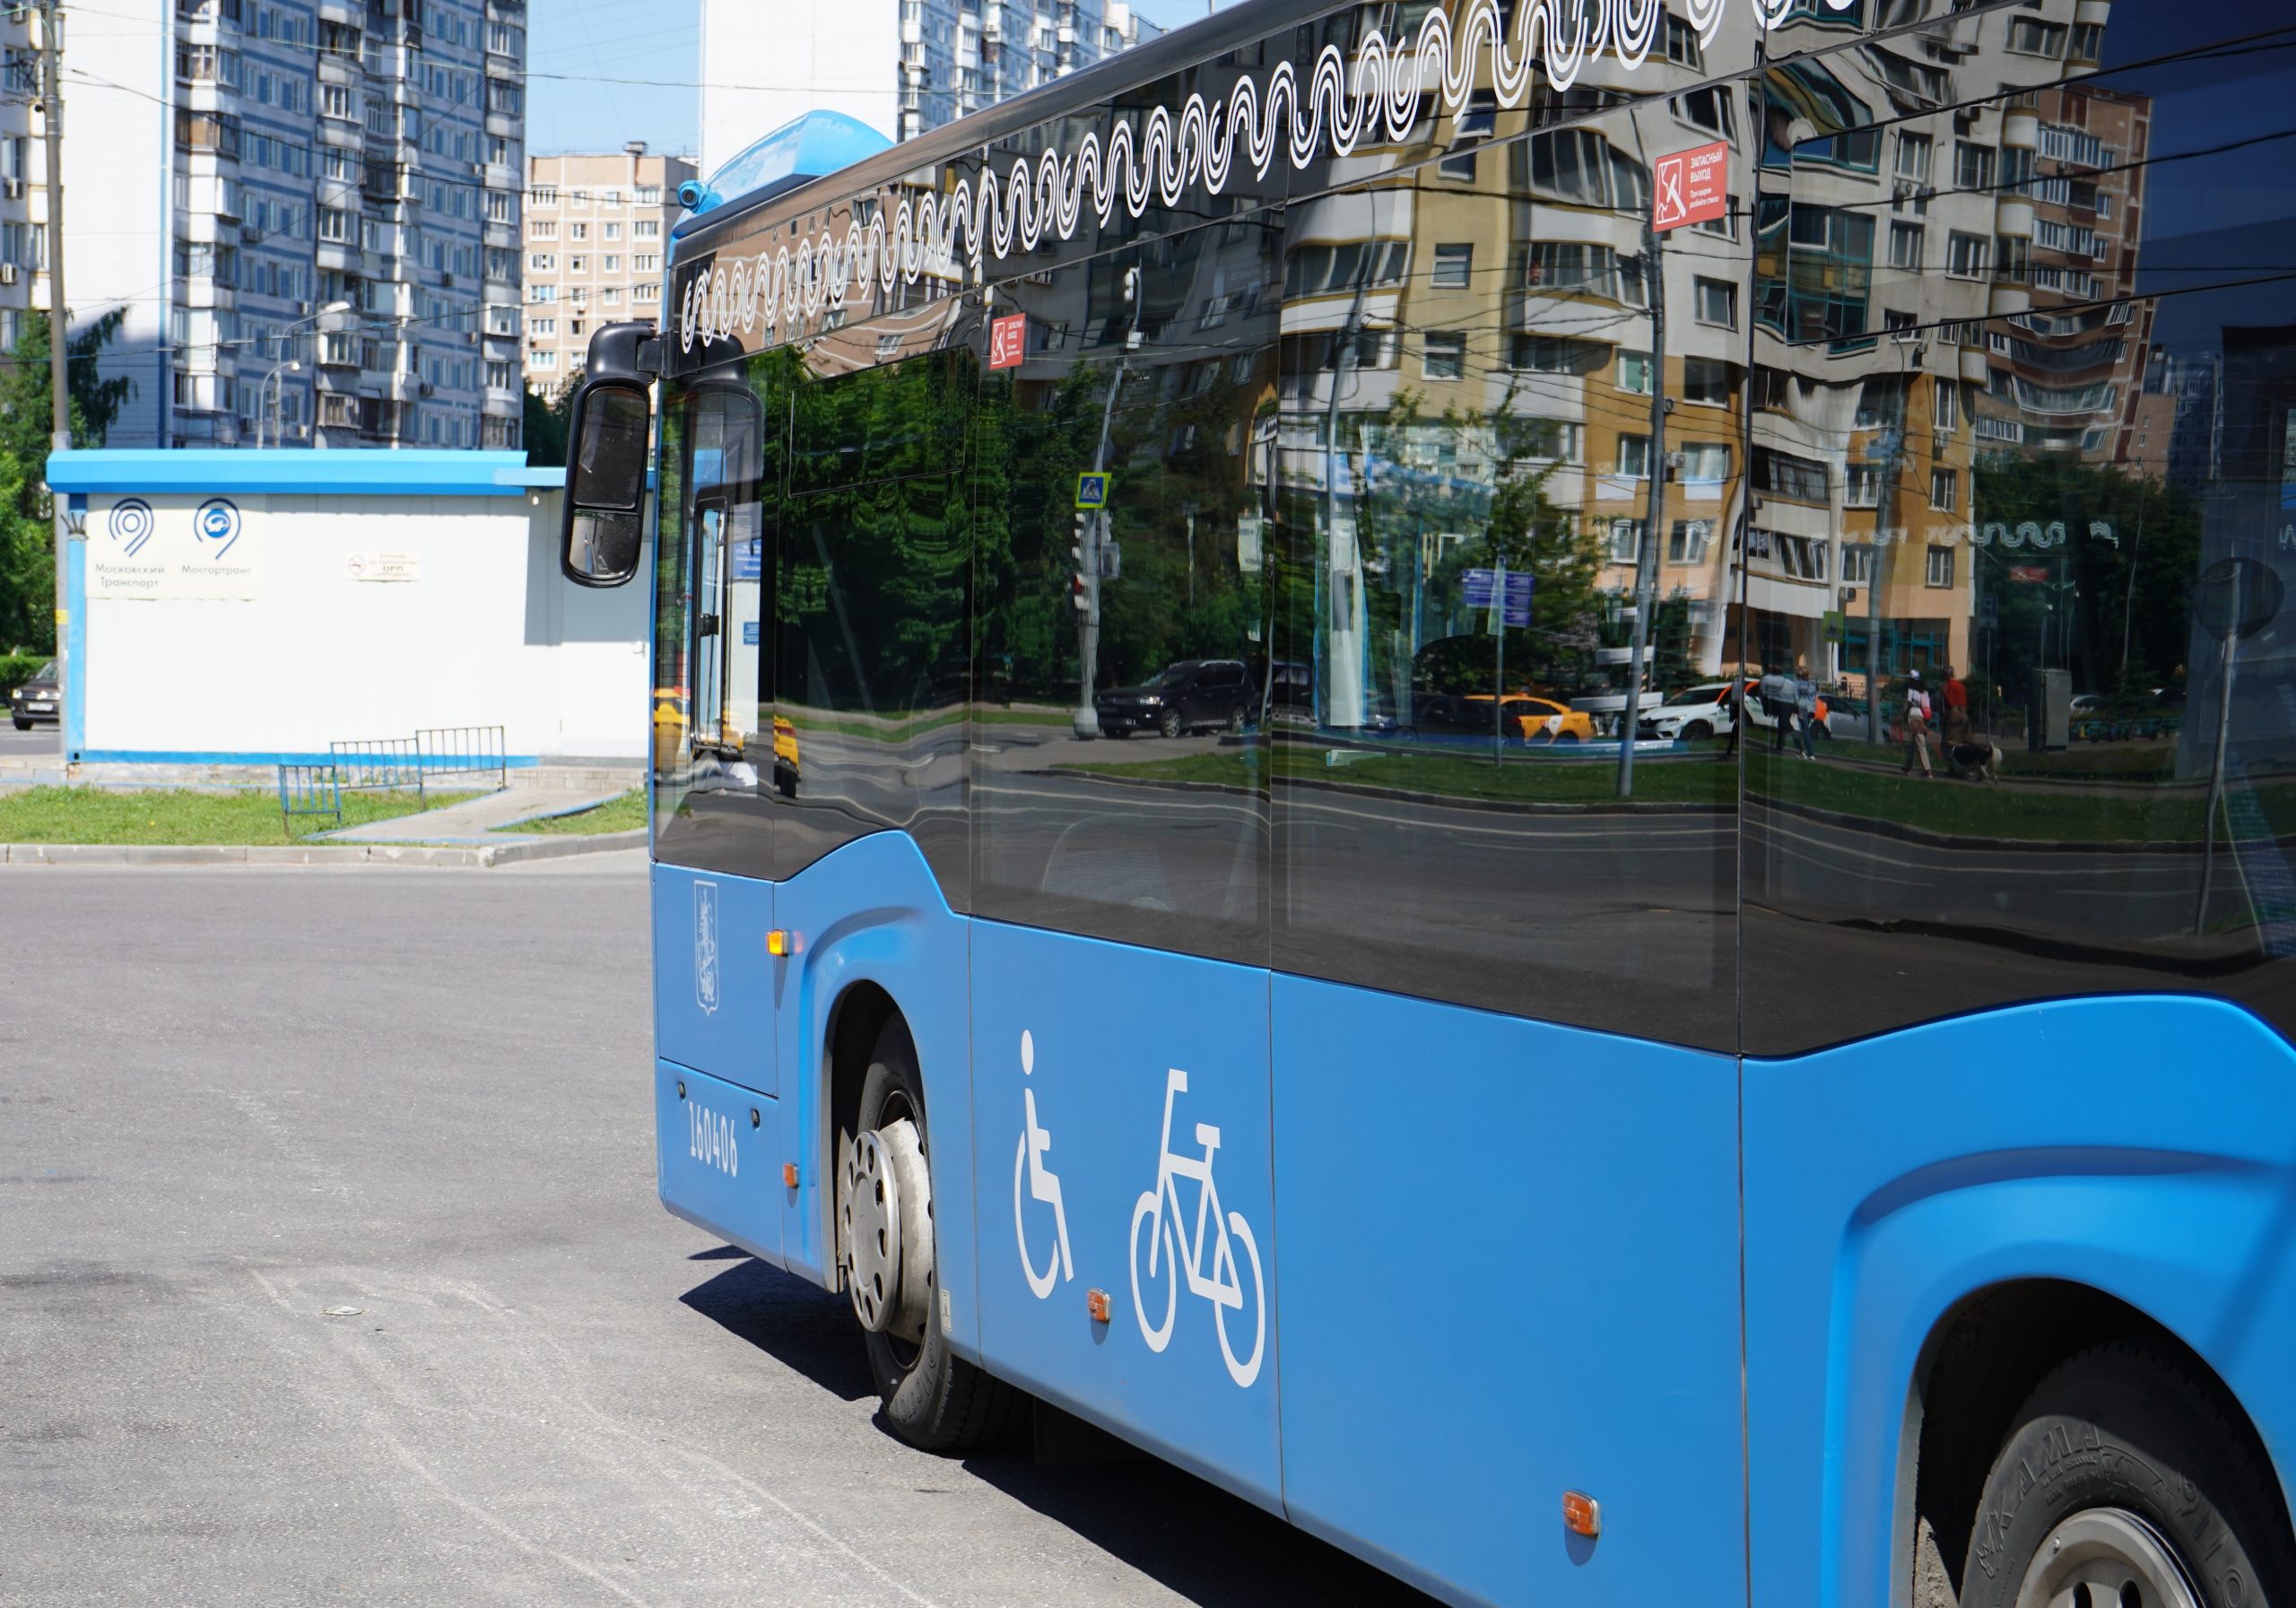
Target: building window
(1905, 246)
(646, 229)
(649, 195)
(648, 292)
(1454, 266)
(541, 357)
(609, 231)
(1943, 489)
(1709, 109)
(1687, 543)
(1782, 474)
(611, 265)
(1864, 487)
(1474, 126)
(578, 265)
(1705, 380)
(1634, 372)
(1634, 456)
(1913, 158)
(2029, 36)
(1856, 563)
(544, 228)
(543, 262)
(1973, 165)
(578, 231)
(1717, 303)
(1706, 463)
(1446, 355)
(1941, 567)
(543, 195)
(646, 262)
(1626, 541)
(1967, 256)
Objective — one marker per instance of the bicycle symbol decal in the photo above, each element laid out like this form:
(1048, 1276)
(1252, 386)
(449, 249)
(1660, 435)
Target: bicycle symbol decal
(1044, 1186)
(1173, 1251)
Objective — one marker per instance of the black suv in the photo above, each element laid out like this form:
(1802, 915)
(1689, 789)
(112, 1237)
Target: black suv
(1191, 695)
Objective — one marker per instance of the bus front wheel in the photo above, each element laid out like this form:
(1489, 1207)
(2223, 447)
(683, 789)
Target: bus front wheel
(933, 1399)
(2127, 1479)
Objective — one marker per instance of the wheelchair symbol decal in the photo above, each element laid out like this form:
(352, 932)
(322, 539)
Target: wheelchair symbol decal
(1043, 1186)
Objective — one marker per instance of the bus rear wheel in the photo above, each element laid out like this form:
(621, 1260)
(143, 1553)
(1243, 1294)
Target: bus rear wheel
(2127, 1482)
(932, 1398)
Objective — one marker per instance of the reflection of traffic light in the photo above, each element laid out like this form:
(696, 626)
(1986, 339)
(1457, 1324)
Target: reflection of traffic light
(1080, 591)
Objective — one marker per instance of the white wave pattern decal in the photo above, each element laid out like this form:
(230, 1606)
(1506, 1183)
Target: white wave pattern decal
(911, 234)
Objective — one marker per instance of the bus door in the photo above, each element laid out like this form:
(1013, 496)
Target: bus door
(709, 635)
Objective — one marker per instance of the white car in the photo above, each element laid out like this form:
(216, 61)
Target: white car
(1705, 712)
(1701, 711)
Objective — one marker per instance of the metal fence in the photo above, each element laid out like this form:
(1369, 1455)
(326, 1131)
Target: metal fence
(463, 751)
(308, 790)
(369, 764)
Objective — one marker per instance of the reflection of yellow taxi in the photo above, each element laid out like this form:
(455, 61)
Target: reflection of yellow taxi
(785, 757)
(669, 725)
(1542, 719)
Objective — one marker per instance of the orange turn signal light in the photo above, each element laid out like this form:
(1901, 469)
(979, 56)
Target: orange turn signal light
(1582, 1514)
(789, 1174)
(780, 943)
(1096, 1302)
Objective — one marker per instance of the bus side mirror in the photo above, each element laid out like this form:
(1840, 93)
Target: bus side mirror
(604, 522)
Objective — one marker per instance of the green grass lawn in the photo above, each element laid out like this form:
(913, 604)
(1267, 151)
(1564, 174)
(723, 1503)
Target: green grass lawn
(625, 811)
(181, 815)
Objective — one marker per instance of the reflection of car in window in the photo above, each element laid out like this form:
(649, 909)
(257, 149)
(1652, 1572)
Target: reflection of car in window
(1706, 711)
(1191, 695)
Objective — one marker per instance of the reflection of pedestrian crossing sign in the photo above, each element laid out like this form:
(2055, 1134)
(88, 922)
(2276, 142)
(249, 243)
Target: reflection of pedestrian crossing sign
(1988, 610)
(749, 633)
(1092, 490)
(1833, 625)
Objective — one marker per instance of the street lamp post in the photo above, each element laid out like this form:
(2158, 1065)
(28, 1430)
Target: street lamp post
(291, 365)
(270, 383)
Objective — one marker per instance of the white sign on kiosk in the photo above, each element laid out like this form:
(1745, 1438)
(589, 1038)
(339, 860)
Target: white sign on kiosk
(211, 549)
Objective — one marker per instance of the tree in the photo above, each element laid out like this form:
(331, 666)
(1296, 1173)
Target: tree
(27, 539)
(547, 417)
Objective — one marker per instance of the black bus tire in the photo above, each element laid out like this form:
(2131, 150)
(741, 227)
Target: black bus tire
(2127, 1435)
(932, 1398)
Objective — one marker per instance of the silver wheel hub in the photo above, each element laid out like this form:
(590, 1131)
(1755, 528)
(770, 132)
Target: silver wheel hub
(2106, 1558)
(886, 1223)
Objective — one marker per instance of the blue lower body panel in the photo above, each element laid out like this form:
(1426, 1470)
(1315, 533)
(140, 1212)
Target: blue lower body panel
(714, 1156)
(1510, 1266)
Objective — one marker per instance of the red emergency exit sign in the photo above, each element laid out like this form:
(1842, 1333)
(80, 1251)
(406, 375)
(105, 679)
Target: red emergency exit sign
(1691, 186)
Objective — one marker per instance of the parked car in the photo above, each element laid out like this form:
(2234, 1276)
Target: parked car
(1706, 711)
(1536, 719)
(41, 698)
(1192, 695)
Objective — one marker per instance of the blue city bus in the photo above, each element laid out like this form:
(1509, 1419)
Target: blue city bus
(1157, 895)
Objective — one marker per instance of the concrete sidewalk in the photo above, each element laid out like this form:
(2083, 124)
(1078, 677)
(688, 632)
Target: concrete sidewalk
(476, 819)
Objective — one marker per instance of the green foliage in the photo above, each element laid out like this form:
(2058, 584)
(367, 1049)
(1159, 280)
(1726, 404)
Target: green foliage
(27, 530)
(2123, 625)
(16, 668)
(545, 422)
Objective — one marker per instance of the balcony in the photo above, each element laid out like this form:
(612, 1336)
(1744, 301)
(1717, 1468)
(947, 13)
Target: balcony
(506, 69)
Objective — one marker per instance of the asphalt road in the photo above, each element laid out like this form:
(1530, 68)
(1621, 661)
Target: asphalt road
(234, 1099)
(40, 741)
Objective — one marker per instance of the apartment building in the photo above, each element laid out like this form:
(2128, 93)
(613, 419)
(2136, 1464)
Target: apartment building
(595, 227)
(902, 66)
(309, 210)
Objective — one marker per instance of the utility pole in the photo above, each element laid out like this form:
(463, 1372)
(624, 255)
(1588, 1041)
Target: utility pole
(1093, 533)
(59, 388)
(1647, 549)
(1891, 459)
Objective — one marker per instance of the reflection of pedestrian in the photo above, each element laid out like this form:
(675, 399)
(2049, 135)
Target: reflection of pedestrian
(1955, 731)
(1805, 711)
(1778, 703)
(1736, 704)
(1917, 725)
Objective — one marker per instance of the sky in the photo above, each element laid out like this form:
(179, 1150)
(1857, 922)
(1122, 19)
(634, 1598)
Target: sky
(575, 50)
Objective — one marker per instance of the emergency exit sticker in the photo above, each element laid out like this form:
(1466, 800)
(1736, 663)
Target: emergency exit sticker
(1008, 341)
(1691, 186)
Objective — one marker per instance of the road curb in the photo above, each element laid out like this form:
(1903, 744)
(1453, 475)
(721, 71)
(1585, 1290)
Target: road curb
(316, 854)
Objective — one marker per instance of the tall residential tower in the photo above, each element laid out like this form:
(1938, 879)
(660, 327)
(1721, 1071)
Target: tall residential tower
(309, 210)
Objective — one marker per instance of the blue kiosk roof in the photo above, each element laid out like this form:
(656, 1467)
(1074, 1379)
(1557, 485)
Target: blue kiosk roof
(314, 472)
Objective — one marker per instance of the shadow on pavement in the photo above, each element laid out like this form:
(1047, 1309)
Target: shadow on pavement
(798, 1324)
(1214, 1549)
